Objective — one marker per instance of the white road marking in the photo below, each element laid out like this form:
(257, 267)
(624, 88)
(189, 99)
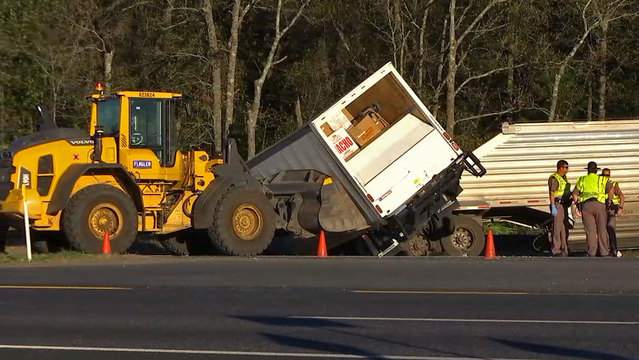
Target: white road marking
(453, 320)
(439, 292)
(235, 353)
(62, 287)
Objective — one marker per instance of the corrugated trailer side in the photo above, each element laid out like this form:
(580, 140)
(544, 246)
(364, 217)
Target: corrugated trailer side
(521, 158)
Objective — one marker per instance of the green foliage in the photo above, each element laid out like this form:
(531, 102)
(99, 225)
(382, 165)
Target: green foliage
(51, 52)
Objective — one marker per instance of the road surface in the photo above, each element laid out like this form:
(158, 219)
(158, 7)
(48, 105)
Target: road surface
(305, 308)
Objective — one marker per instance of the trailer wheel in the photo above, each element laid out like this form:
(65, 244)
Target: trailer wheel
(95, 210)
(467, 238)
(244, 222)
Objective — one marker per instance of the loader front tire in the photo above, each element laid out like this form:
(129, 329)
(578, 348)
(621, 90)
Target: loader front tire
(95, 210)
(243, 223)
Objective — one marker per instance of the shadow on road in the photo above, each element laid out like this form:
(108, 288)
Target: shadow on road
(285, 321)
(335, 327)
(323, 346)
(542, 349)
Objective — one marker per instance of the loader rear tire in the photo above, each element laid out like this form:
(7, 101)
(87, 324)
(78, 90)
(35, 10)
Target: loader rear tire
(188, 243)
(243, 223)
(44, 242)
(97, 209)
(4, 229)
(467, 238)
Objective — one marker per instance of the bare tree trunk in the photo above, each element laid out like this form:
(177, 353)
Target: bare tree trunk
(564, 64)
(108, 67)
(238, 15)
(54, 102)
(603, 71)
(452, 71)
(440, 69)
(258, 84)
(510, 84)
(560, 74)
(298, 113)
(214, 58)
(422, 53)
(232, 63)
(589, 111)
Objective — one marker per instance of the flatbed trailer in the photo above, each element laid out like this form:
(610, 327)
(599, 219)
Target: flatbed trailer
(522, 157)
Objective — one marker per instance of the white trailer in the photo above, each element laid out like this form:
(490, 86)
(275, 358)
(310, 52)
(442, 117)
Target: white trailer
(520, 160)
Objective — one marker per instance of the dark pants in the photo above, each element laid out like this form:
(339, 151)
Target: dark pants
(612, 228)
(595, 218)
(560, 230)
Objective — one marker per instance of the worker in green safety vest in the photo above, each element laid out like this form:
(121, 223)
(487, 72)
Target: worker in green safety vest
(615, 208)
(560, 201)
(591, 194)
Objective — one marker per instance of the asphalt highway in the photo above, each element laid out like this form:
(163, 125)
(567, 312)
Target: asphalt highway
(336, 308)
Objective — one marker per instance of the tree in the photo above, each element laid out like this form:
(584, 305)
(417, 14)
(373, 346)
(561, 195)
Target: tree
(455, 41)
(267, 65)
(607, 12)
(588, 24)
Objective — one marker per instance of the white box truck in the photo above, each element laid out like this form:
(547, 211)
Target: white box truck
(375, 166)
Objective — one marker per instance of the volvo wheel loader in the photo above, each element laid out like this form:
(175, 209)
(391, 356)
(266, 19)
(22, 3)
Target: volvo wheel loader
(126, 176)
(376, 168)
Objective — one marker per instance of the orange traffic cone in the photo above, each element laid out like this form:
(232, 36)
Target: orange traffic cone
(321, 246)
(489, 252)
(106, 243)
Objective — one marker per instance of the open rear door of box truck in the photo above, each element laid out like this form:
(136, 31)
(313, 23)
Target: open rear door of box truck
(385, 138)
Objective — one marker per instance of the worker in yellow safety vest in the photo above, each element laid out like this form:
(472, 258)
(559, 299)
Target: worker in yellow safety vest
(591, 194)
(615, 208)
(560, 201)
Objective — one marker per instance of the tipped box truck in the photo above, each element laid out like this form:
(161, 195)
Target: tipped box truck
(375, 166)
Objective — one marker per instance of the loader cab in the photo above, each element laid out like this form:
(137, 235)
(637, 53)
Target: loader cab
(143, 128)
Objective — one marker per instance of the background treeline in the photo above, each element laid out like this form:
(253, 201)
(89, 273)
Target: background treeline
(262, 67)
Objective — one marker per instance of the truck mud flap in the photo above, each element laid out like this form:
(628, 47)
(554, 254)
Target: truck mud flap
(473, 165)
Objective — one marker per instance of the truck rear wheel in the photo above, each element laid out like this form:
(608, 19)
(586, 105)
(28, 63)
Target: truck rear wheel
(244, 222)
(415, 245)
(467, 238)
(95, 210)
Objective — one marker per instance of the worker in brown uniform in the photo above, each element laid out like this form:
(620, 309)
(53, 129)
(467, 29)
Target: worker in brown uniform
(615, 208)
(560, 200)
(591, 197)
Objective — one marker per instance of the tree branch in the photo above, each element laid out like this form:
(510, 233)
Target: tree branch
(486, 74)
(503, 112)
(478, 19)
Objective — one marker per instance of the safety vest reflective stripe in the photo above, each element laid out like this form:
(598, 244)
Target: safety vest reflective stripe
(562, 185)
(592, 186)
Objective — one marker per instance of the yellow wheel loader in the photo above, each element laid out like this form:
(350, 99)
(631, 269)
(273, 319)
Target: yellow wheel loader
(124, 177)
